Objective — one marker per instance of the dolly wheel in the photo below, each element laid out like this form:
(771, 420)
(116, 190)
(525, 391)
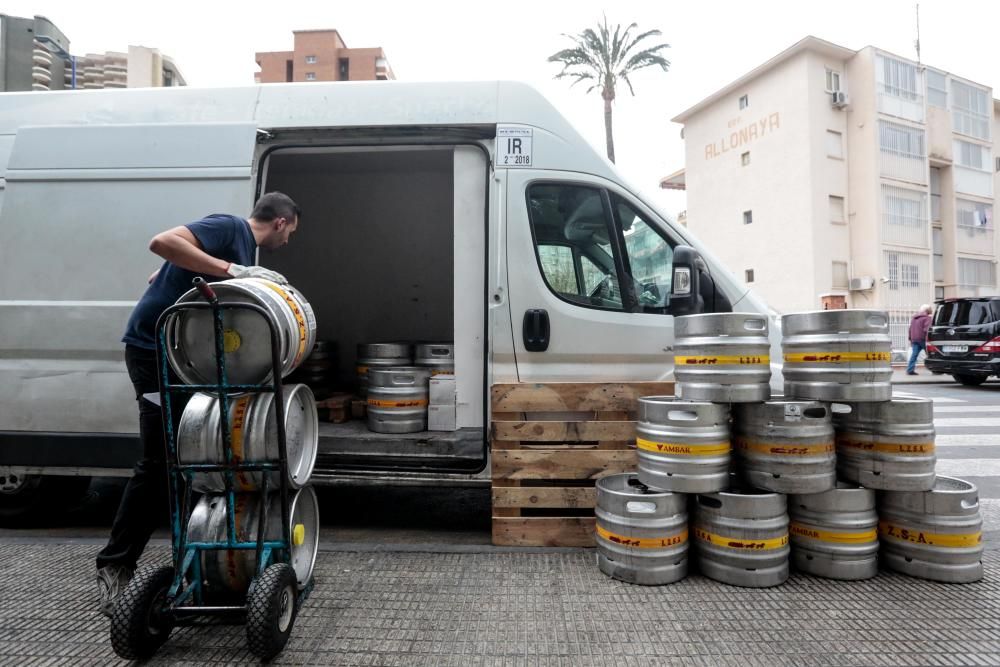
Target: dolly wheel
(271, 610)
(139, 625)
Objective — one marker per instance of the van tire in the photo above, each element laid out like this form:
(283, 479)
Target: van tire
(30, 496)
(969, 380)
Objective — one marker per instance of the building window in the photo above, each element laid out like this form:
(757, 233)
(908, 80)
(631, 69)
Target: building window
(903, 153)
(832, 81)
(976, 273)
(901, 139)
(747, 217)
(744, 102)
(935, 194)
(748, 275)
(897, 78)
(834, 145)
(904, 216)
(839, 275)
(937, 89)
(970, 110)
(974, 227)
(938, 293)
(904, 270)
(344, 68)
(972, 155)
(997, 167)
(745, 158)
(310, 60)
(937, 246)
(310, 76)
(836, 209)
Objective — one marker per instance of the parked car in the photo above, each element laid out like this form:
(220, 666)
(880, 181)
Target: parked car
(964, 339)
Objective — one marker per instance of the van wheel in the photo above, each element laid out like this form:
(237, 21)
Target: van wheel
(23, 497)
(969, 380)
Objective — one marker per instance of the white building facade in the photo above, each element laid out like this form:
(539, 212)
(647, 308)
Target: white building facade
(833, 178)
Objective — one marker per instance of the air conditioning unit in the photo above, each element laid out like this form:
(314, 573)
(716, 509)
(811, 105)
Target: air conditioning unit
(862, 283)
(838, 99)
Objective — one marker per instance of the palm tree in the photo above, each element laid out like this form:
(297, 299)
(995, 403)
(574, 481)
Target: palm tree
(604, 59)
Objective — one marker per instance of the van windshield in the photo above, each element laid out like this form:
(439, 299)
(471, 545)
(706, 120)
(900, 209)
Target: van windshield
(966, 313)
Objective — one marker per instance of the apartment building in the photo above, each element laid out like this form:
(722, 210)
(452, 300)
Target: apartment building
(322, 55)
(35, 55)
(834, 178)
(140, 67)
(29, 54)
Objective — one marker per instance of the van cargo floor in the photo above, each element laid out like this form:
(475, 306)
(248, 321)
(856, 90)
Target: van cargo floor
(351, 444)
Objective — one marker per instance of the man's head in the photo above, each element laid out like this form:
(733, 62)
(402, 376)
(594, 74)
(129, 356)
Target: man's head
(926, 309)
(275, 218)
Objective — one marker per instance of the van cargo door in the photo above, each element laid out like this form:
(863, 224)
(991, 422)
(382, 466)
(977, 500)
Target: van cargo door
(80, 207)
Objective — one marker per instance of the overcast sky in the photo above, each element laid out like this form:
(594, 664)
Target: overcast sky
(711, 43)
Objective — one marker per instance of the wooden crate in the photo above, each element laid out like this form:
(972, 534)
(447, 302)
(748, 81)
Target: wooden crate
(549, 444)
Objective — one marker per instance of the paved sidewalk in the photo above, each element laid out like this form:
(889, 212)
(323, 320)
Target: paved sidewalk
(923, 376)
(488, 606)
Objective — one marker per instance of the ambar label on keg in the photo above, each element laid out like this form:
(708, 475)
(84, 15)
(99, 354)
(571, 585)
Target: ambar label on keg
(240, 408)
(892, 531)
(784, 449)
(643, 542)
(385, 403)
(763, 544)
(801, 530)
(835, 357)
(362, 370)
(886, 447)
(716, 360)
(684, 449)
(300, 319)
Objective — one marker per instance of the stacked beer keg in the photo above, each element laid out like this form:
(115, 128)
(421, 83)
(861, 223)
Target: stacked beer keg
(253, 427)
(396, 377)
(834, 477)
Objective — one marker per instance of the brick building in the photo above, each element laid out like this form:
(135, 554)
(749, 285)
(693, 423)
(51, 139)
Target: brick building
(322, 55)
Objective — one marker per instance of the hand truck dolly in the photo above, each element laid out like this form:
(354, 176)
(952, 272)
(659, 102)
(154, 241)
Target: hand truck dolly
(158, 598)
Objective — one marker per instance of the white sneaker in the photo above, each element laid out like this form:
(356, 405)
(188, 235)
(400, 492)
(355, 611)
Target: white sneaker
(111, 581)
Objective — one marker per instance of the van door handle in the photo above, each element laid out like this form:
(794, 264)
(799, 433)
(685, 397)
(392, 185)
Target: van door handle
(535, 329)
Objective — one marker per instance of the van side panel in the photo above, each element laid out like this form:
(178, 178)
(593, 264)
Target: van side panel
(80, 206)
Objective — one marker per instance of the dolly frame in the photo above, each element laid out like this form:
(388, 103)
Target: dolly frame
(181, 600)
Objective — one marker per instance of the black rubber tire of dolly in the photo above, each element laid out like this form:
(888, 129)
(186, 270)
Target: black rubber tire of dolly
(266, 600)
(138, 629)
(969, 380)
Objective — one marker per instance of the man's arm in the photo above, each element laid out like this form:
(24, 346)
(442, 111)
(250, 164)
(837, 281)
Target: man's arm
(181, 248)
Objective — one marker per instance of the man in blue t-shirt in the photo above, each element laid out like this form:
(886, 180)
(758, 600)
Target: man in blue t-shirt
(215, 247)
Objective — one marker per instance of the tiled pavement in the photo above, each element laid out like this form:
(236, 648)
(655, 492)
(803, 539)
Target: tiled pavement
(487, 606)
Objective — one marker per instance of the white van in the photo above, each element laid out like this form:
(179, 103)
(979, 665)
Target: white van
(470, 212)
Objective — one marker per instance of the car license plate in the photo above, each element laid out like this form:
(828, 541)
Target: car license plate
(952, 349)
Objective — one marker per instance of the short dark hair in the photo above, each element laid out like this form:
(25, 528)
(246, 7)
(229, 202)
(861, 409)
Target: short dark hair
(274, 205)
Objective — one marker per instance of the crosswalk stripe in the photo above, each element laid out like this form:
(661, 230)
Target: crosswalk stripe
(968, 467)
(967, 440)
(967, 408)
(981, 451)
(940, 400)
(948, 422)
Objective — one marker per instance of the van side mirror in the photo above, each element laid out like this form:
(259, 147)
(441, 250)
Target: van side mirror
(685, 294)
(693, 290)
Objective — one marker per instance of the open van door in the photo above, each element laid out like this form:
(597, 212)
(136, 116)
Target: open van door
(80, 207)
(590, 272)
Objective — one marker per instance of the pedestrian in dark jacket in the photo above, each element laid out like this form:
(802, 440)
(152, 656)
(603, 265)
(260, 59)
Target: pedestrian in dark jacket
(919, 326)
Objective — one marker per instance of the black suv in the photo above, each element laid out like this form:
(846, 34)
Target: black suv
(964, 339)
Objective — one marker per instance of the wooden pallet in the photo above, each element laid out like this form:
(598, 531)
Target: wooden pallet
(549, 444)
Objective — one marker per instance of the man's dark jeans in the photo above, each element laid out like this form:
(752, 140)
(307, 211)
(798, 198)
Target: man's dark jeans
(145, 499)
